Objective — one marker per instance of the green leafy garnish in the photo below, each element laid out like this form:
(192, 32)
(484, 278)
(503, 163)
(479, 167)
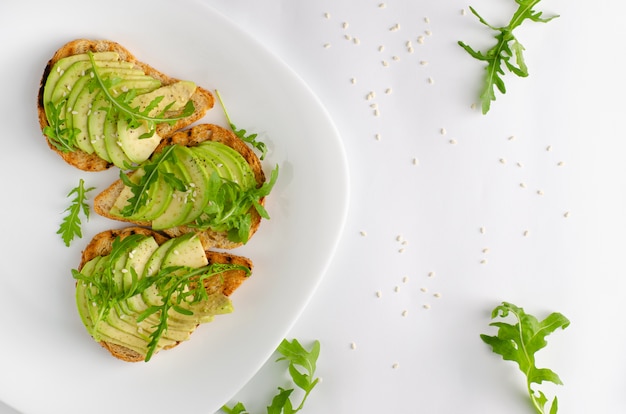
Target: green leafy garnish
(507, 52)
(302, 365)
(153, 170)
(59, 135)
(71, 225)
(229, 208)
(134, 116)
(179, 288)
(242, 133)
(520, 342)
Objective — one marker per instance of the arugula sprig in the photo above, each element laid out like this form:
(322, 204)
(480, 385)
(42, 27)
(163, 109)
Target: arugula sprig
(229, 208)
(179, 288)
(242, 133)
(134, 116)
(59, 135)
(506, 53)
(520, 342)
(302, 366)
(153, 169)
(71, 225)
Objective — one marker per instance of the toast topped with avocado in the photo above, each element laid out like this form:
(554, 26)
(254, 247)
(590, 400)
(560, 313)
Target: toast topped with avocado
(99, 106)
(139, 292)
(203, 180)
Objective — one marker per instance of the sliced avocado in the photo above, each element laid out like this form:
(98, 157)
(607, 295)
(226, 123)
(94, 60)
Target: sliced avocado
(95, 126)
(232, 161)
(138, 257)
(112, 144)
(187, 251)
(180, 203)
(62, 65)
(136, 149)
(177, 94)
(122, 199)
(210, 159)
(199, 181)
(159, 200)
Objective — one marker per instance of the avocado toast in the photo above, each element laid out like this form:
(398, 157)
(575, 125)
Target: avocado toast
(138, 292)
(99, 106)
(203, 179)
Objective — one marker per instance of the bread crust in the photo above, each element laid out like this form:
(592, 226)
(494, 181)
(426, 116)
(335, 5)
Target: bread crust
(190, 137)
(102, 243)
(202, 98)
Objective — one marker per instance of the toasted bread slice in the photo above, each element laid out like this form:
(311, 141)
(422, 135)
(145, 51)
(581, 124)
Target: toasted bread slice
(104, 201)
(102, 243)
(203, 99)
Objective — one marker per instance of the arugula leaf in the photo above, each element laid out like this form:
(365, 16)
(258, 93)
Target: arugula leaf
(61, 137)
(242, 133)
(520, 342)
(153, 169)
(507, 51)
(302, 366)
(229, 209)
(121, 105)
(71, 225)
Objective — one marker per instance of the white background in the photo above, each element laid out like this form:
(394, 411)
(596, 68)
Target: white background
(541, 174)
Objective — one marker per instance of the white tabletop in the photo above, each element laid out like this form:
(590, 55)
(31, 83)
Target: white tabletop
(453, 212)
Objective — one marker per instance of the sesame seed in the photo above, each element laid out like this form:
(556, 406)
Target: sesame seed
(519, 164)
(399, 238)
(566, 214)
(379, 294)
(431, 80)
(540, 192)
(385, 63)
(426, 306)
(453, 141)
(423, 62)
(388, 91)
(326, 45)
(347, 37)
(424, 289)
(486, 250)
(405, 313)
(382, 5)
(428, 32)
(526, 233)
(483, 261)
(377, 136)
(376, 112)
(352, 345)
(420, 40)
(396, 289)
(549, 148)
(415, 161)
(560, 163)
(363, 233)
(431, 274)
(512, 137)
(353, 80)
(437, 295)
(502, 161)
(463, 12)
(483, 230)
(356, 41)
(176, 252)
(523, 185)
(401, 250)
(395, 58)
(124, 270)
(381, 48)
(410, 49)
(345, 25)
(327, 15)
(395, 365)
(426, 20)
(395, 27)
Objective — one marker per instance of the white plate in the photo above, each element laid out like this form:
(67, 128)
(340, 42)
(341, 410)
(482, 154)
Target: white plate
(48, 363)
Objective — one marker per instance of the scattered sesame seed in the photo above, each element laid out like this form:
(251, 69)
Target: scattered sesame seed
(431, 274)
(347, 37)
(523, 185)
(326, 45)
(374, 105)
(363, 233)
(353, 80)
(463, 12)
(176, 252)
(399, 238)
(385, 63)
(379, 294)
(512, 137)
(401, 250)
(352, 345)
(395, 27)
(549, 148)
(483, 261)
(437, 295)
(405, 279)
(540, 192)
(410, 49)
(377, 136)
(388, 91)
(426, 306)
(376, 112)
(371, 95)
(345, 25)
(426, 20)
(381, 48)
(502, 161)
(431, 80)
(356, 41)
(428, 32)
(566, 214)
(519, 164)
(327, 15)
(424, 289)
(453, 141)
(382, 5)
(405, 313)
(395, 58)
(395, 365)
(526, 233)
(396, 289)
(483, 230)
(124, 270)
(423, 62)
(415, 161)
(486, 250)
(560, 163)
